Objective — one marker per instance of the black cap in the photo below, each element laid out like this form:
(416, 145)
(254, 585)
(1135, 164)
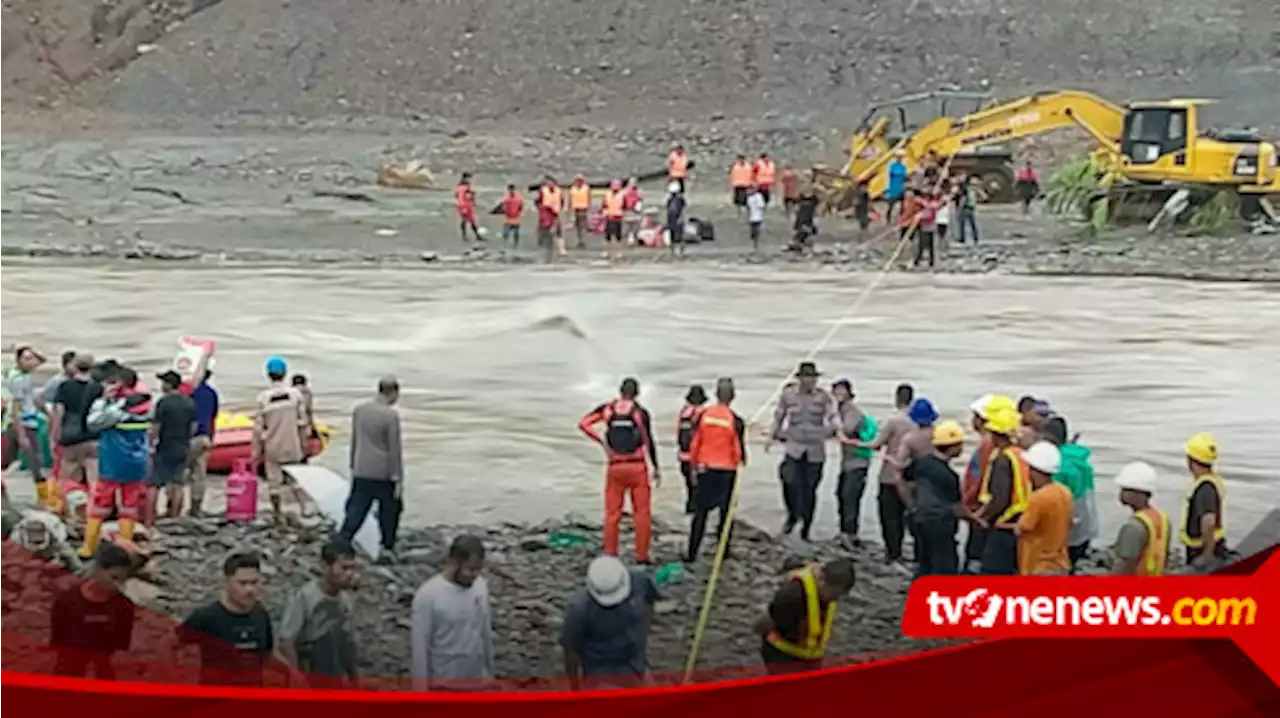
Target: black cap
(808, 368)
(170, 377)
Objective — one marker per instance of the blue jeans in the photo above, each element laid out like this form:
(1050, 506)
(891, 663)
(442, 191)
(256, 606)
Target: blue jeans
(968, 222)
(511, 233)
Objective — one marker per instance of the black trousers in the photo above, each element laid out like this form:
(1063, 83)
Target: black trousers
(363, 493)
(690, 493)
(975, 543)
(715, 488)
(1077, 554)
(936, 547)
(924, 244)
(1000, 553)
(893, 525)
(849, 498)
(800, 479)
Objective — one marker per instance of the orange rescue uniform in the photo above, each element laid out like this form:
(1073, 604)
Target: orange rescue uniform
(677, 165)
(580, 197)
(766, 173)
(717, 442)
(614, 204)
(626, 474)
(741, 175)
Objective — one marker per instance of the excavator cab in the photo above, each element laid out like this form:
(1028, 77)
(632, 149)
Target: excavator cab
(1169, 142)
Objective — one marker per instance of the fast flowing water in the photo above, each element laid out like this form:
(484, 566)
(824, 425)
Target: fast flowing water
(497, 365)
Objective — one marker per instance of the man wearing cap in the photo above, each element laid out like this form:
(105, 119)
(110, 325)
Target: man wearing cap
(855, 461)
(172, 426)
(897, 186)
(804, 420)
(1044, 526)
(936, 500)
(1142, 546)
(1003, 494)
(280, 429)
(605, 635)
(686, 424)
(1203, 530)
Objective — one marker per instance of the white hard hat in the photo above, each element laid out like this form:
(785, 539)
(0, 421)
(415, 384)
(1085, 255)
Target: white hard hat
(979, 406)
(608, 581)
(1043, 457)
(1137, 476)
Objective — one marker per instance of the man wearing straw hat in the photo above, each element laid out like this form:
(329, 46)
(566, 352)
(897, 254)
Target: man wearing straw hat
(804, 420)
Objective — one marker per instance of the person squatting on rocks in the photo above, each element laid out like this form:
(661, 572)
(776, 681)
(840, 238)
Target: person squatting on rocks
(891, 509)
(1045, 524)
(464, 200)
(804, 419)
(315, 633)
(91, 621)
(173, 424)
(280, 434)
(45, 537)
(451, 636)
(122, 420)
(797, 627)
(1142, 545)
(377, 467)
(686, 423)
(629, 450)
(605, 635)
(855, 461)
(936, 500)
(717, 453)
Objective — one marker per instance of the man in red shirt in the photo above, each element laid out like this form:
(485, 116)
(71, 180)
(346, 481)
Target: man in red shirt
(464, 199)
(790, 189)
(512, 209)
(548, 219)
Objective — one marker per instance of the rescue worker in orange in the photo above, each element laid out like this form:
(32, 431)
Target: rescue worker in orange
(1142, 546)
(1005, 488)
(677, 166)
(614, 208)
(978, 464)
(741, 175)
(686, 423)
(512, 209)
(718, 451)
(629, 448)
(1203, 530)
(464, 199)
(790, 189)
(551, 199)
(766, 175)
(580, 205)
(798, 625)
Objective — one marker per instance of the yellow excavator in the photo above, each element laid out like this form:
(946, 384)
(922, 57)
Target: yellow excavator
(1148, 150)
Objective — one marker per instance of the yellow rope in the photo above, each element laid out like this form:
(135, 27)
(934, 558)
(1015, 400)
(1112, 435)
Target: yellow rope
(723, 544)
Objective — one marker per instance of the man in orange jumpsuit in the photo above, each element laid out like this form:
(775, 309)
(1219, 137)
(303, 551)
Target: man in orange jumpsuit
(629, 448)
(464, 199)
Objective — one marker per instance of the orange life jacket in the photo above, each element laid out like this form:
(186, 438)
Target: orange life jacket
(766, 173)
(740, 175)
(716, 444)
(1156, 553)
(580, 197)
(614, 205)
(686, 424)
(551, 197)
(677, 165)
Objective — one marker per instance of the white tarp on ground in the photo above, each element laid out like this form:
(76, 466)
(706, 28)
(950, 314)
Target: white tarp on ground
(329, 491)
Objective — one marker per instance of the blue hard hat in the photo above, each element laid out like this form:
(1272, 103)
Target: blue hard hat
(922, 412)
(277, 365)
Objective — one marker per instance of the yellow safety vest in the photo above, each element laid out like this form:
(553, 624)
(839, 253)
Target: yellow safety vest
(1220, 532)
(1156, 553)
(817, 626)
(1020, 490)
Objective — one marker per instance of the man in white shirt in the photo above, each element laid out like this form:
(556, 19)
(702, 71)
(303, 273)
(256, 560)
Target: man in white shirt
(452, 626)
(755, 215)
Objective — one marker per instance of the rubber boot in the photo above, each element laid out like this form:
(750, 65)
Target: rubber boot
(92, 533)
(126, 529)
(42, 494)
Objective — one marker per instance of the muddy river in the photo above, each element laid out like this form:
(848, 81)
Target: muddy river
(497, 365)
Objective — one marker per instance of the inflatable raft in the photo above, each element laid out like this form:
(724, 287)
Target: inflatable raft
(233, 437)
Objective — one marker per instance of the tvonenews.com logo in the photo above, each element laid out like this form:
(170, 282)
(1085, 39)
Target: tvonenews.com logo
(982, 609)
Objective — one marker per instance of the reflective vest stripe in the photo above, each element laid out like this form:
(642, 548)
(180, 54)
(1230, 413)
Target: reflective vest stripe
(1155, 553)
(818, 627)
(1020, 489)
(1220, 532)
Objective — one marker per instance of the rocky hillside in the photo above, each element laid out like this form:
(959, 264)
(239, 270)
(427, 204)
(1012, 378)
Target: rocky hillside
(624, 61)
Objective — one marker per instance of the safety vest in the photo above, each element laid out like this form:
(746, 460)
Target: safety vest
(1020, 490)
(512, 207)
(613, 204)
(716, 444)
(677, 165)
(740, 175)
(766, 173)
(686, 424)
(978, 464)
(1220, 532)
(813, 645)
(551, 197)
(580, 197)
(1156, 553)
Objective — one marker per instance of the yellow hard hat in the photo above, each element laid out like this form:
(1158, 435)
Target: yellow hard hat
(948, 433)
(1003, 421)
(1203, 448)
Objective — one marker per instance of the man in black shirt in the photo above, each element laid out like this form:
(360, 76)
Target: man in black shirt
(91, 621)
(936, 500)
(234, 633)
(790, 643)
(71, 402)
(172, 426)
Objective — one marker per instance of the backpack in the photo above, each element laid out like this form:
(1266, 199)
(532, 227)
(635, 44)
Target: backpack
(623, 433)
(688, 422)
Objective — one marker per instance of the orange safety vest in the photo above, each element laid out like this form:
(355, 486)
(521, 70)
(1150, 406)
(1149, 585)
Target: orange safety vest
(551, 197)
(677, 165)
(1020, 490)
(813, 644)
(580, 197)
(686, 425)
(716, 444)
(1156, 553)
(740, 175)
(766, 173)
(613, 204)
